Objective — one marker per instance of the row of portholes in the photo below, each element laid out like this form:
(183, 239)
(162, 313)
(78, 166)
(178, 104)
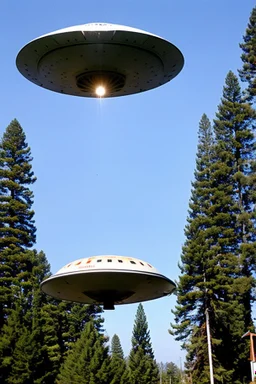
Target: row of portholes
(121, 261)
(110, 261)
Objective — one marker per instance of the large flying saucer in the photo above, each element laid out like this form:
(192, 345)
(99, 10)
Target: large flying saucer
(99, 60)
(108, 281)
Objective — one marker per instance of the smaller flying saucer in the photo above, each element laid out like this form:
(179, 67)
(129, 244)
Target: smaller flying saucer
(99, 60)
(108, 281)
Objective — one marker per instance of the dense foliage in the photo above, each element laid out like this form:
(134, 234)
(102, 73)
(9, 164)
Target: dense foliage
(88, 361)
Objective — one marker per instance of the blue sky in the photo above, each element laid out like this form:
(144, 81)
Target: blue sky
(114, 176)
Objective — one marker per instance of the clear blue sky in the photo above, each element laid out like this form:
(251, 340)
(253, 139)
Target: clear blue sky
(114, 176)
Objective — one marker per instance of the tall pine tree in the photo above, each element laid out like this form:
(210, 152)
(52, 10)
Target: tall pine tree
(27, 343)
(220, 240)
(236, 150)
(17, 229)
(196, 261)
(234, 171)
(142, 366)
(118, 368)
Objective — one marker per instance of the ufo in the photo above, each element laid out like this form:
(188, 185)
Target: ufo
(99, 60)
(108, 281)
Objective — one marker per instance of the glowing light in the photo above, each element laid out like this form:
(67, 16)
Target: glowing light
(100, 91)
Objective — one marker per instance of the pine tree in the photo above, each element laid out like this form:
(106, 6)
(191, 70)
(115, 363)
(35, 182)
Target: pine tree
(235, 175)
(88, 360)
(79, 315)
(248, 72)
(196, 258)
(11, 332)
(143, 370)
(43, 322)
(20, 369)
(17, 229)
(142, 366)
(234, 130)
(29, 338)
(141, 334)
(116, 348)
(27, 341)
(118, 369)
(215, 275)
(17, 224)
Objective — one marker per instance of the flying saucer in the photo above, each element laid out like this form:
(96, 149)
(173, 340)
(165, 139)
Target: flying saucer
(99, 60)
(108, 281)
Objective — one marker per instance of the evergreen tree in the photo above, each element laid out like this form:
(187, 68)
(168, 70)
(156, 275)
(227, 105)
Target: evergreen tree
(27, 341)
(118, 369)
(248, 72)
(116, 348)
(42, 320)
(29, 338)
(235, 149)
(17, 224)
(196, 258)
(11, 332)
(142, 366)
(141, 334)
(235, 175)
(220, 240)
(88, 361)
(17, 229)
(143, 370)
(79, 315)
(20, 370)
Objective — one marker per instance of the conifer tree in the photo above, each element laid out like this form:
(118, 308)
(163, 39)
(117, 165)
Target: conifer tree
(141, 334)
(12, 331)
(27, 344)
(43, 323)
(29, 338)
(17, 229)
(196, 258)
(235, 149)
(142, 366)
(116, 348)
(88, 360)
(17, 224)
(235, 174)
(79, 315)
(118, 369)
(215, 275)
(248, 71)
